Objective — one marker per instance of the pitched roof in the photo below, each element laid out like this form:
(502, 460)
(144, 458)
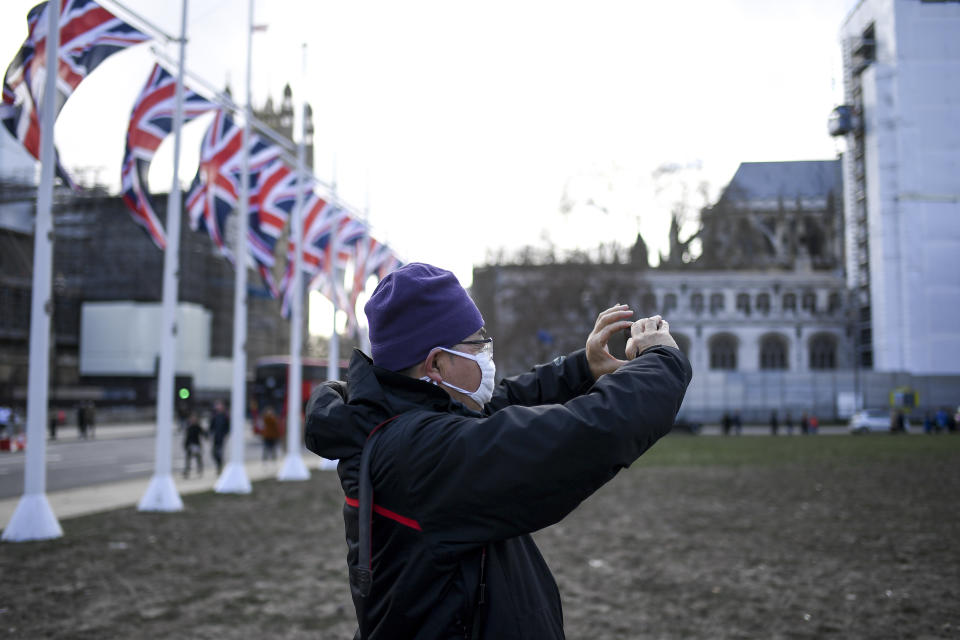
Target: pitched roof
(789, 180)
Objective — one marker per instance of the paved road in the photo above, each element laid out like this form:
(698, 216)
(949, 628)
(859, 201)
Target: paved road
(117, 454)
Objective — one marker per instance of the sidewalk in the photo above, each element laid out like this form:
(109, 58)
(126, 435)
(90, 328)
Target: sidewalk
(105, 497)
(106, 431)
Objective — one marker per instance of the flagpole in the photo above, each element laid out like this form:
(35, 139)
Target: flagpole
(363, 333)
(234, 477)
(293, 465)
(333, 351)
(33, 518)
(333, 362)
(161, 494)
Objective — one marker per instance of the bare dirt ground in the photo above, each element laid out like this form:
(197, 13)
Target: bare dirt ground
(705, 538)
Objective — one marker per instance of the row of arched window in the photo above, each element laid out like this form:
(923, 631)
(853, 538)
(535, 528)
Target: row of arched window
(774, 351)
(745, 302)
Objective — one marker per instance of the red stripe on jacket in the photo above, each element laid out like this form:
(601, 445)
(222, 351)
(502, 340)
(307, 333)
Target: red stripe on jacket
(386, 513)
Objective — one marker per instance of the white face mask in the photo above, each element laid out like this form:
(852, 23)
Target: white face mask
(488, 372)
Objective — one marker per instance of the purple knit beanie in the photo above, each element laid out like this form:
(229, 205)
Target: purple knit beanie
(414, 309)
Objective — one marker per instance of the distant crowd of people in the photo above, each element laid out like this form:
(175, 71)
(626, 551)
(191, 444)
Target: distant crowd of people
(809, 424)
(266, 424)
(941, 421)
(194, 433)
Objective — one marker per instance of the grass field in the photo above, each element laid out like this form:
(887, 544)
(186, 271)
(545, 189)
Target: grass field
(766, 451)
(705, 537)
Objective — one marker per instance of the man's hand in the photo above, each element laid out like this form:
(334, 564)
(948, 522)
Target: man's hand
(649, 332)
(598, 354)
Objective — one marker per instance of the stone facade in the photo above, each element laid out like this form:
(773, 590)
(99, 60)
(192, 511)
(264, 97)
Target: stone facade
(755, 321)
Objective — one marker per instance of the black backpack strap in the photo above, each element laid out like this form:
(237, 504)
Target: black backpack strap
(362, 575)
(480, 612)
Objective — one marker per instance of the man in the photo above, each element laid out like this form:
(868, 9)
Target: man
(219, 430)
(462, 471)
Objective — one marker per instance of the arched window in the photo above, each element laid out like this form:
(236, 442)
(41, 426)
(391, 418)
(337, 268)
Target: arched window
(789, 302)
(696, 303)
(773, 351)
(763, 303)
(669, 303)
(649, 304)
(809, 302)
(723, 351)
(683, 342)
(823, 351)
(743, 303)
(716, 302)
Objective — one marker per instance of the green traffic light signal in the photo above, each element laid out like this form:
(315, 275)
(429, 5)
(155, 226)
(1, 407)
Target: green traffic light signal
(184, 393)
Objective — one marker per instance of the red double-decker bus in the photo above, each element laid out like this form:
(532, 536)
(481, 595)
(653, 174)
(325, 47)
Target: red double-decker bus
(271, 380)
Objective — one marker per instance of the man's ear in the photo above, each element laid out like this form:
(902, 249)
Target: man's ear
(431, 367)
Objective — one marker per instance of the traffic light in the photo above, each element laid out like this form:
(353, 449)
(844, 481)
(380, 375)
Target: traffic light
(183, 390)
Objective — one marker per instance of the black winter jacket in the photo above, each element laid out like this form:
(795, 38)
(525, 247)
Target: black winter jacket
(455, 489)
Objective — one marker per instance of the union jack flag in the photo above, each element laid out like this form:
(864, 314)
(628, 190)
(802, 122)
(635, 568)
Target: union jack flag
(341, 248)
(317, 225)
(215, 192)
(88, 35)
(150, 122)
(271, 203)
(370, 257)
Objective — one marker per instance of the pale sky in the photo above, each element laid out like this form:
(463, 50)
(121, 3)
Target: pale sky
(460, 125)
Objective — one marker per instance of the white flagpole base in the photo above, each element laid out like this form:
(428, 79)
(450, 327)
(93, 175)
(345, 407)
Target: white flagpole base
(233, 479)
(327, 465)
(33, 519)
(293, 468)
(161, 495)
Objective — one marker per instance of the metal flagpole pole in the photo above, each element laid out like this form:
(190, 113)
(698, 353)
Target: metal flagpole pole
(333, 356)
(363, 332)
(333, 362)
(293, 466)
(33, 518)
(234, 477)
(161, 494)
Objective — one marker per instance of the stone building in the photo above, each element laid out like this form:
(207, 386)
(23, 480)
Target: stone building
(761, 313)
(776, 215)
(744, 325)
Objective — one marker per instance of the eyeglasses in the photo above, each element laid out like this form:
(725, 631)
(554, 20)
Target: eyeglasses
(486, 345)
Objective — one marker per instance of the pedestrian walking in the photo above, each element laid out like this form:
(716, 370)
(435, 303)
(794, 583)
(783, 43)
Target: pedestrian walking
(725, 423)
(737, 423)
(82, 421)
(788, 423)
(191, 445)
(446, 473)
(91, 414)
(774, 423)
(270, 434)
(6, 421)
(804, 424)
(941, 420)
(219, 430)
